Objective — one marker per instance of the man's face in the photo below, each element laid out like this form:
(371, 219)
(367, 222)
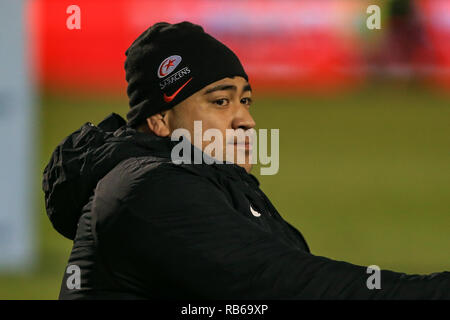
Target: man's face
(223, 105)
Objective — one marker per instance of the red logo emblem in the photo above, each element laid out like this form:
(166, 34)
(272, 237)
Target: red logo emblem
(168, 65)
(172, 96)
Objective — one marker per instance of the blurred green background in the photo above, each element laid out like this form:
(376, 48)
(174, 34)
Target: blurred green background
(364, 175)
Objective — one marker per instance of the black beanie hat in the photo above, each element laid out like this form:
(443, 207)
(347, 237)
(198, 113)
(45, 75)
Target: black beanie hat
(168, 63)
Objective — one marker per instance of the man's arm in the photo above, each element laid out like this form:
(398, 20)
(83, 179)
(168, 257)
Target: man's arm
(177, 236)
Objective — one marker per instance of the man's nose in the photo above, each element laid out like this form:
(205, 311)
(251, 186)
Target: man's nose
(243, 119)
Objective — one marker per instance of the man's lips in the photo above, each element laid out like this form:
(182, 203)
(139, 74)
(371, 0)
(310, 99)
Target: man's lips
(242, 145)
(241, 142)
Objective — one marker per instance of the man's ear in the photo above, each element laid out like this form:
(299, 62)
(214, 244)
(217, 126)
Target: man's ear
(158, 124)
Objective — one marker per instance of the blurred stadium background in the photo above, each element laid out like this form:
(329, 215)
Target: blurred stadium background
(364, 118)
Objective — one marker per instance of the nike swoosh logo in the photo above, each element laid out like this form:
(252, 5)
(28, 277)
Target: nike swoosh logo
(254, 212)
(171, 97)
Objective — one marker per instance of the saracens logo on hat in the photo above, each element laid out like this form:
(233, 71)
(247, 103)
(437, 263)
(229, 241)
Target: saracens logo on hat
(166, 67)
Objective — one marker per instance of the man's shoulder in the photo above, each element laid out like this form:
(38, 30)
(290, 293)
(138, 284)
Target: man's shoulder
(133, 172)
(138, 175)
(149, 187)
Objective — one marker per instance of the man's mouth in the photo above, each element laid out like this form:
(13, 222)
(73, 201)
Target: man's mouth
(245, 145)
(241, 141)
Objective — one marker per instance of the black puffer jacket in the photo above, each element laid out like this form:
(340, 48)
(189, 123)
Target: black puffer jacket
(144, 227)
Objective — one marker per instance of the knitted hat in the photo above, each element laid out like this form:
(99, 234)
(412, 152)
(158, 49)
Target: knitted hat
(168, 63)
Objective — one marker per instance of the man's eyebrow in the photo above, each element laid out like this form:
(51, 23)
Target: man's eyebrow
(222, 87)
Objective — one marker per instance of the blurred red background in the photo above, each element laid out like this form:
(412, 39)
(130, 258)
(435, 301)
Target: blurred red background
(284, 45)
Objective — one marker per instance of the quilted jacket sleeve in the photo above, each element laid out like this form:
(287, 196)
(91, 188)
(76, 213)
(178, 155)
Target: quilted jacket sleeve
(177, 236)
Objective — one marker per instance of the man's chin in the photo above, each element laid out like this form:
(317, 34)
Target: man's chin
(246, 166)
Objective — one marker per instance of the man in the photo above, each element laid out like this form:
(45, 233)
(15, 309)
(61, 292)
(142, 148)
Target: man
(146, 227)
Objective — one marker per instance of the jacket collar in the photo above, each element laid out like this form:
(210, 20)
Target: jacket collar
(162, 147)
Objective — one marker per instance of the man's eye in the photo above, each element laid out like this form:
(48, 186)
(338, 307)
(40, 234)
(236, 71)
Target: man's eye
(247, 101)
(221, 102)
